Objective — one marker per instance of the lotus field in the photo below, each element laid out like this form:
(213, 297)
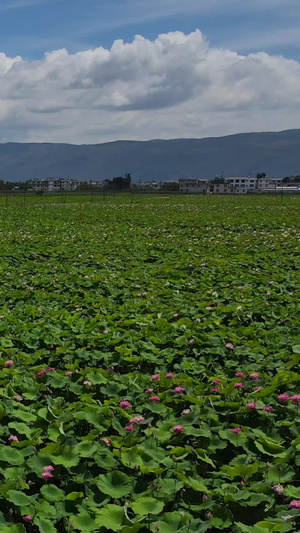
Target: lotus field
(149, 365)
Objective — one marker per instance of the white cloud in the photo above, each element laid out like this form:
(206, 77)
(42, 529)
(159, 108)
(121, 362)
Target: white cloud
(175, 86)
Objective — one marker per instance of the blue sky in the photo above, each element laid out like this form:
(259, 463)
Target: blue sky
(31, 27)
(100, 70)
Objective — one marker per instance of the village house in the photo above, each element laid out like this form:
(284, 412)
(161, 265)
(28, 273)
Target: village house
(150, 185)
(220, 186)
(241, 185)
(191, 185)
(54, 184)
(267, 183)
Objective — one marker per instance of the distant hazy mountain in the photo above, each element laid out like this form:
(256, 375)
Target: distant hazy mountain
(277, 154)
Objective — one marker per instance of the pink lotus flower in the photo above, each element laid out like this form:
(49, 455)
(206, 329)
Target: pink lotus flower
(13, 438)
(155, 398)
(105, 331)
(125, 404)
(179, 389)
(69, 373)
(238, 385)
(186, 411)
(258, 388)
(51, 369)
(216, 381)
(106, 441)
(137, 419)
(239, 374)
(254, 375)
(178, 428)
(155, 377)
(230, 345)
(130, 427)
(236, 430)
(170, 375)
(278, 488)
(192, 341)
(18, 398)
(295, 398)
(46, 475)
(41, 372)
(283, 397)
(48, 468)
(39, 309)
(87, 383)
(27, 518)
(149, 391)
(209, 308)
(252, 405)
(216, 389)
(176, 315)
(295, 504)
(8, 363)
(268, 408)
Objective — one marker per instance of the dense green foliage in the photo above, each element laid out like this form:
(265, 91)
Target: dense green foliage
(152, 293)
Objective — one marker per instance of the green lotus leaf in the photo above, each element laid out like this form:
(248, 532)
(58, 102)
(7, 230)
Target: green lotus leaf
(146, 505)
(115, 484)
(72, 496)
(11, 455)
(18, 498)
(111, 517)
(44, 525)
(69, 457)
(83, 522)
(52, 493)
(86, 448)
(296, 348)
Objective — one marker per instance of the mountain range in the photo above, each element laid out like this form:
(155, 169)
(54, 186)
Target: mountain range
(275, 153)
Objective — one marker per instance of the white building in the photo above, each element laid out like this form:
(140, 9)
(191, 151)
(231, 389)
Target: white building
(268, 183)
(241, 185)
(220, 186)
(150, 185)
(190, 185)
(54, 184)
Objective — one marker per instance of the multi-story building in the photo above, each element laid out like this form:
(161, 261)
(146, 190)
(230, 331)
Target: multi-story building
(150, 185)
(220, 186)
(191, 185)
(267, 183)
(60, 184)
(54, 184)
(241, 185)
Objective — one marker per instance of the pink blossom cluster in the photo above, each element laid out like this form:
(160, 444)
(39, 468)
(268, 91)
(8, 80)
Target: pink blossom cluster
(45, 371)
(47, 472)
(295, 504)
(179, 389)
(238, 385)
(125, 404)
(178, 428)
(13, 438)
(106, 441)
(285, 397)
(155, 377)
(155, 398)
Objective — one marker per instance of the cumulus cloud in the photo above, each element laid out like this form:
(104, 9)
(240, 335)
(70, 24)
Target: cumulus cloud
(175, 86)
